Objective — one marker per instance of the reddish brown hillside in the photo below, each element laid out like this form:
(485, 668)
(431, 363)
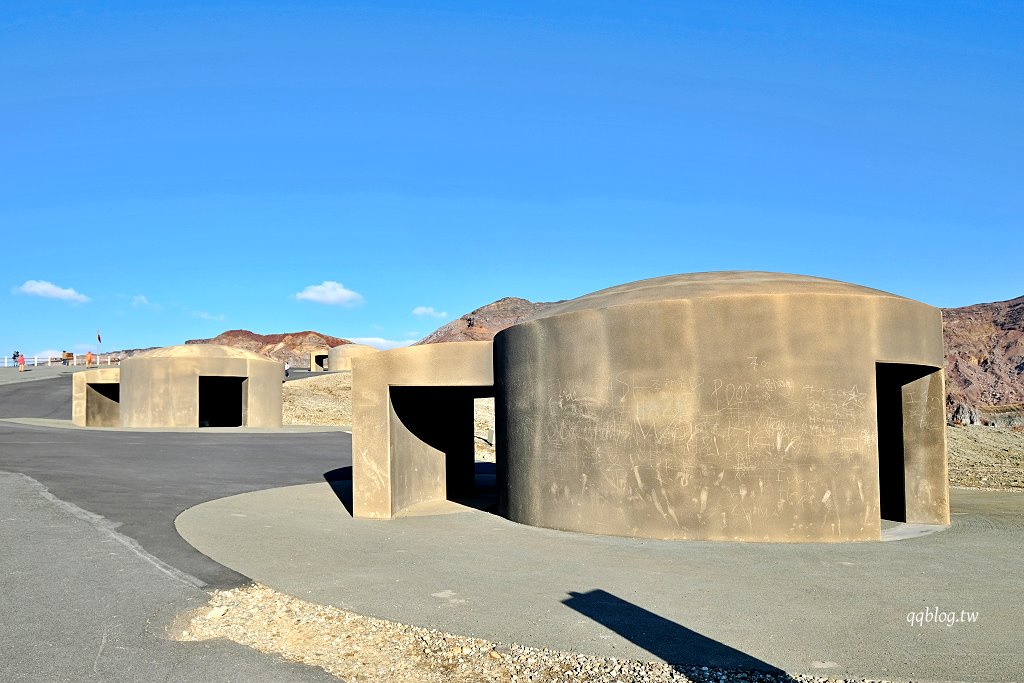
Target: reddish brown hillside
(293, 347)
(985, 362)
(486, 321)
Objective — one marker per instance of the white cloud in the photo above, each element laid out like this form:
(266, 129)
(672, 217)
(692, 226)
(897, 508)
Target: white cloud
(47, 354)
(208, 316)
(51, 291)
(380, 343)
(423, 311)
(140, 300)
(331, 293)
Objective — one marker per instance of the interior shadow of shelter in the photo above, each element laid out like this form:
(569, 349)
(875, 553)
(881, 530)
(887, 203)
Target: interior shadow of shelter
(677, 645)
(340, 481)
(442, 418)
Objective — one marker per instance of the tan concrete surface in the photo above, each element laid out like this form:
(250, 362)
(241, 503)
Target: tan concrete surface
(740, 406)
(200, 385)
(340, 357)
(95, 397)
(412, 425)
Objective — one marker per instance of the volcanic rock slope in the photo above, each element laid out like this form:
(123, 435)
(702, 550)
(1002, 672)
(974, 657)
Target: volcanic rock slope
(293, 347)
(985, 363)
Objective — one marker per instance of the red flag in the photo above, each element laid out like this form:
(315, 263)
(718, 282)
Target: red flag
(98, 340)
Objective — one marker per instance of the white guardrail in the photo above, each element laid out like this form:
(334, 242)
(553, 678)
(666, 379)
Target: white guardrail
(34, 361)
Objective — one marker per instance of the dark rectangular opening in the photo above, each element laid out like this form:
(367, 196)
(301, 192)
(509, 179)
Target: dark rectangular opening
(890, 378)
(222, 401)
(102, 404)
(319, 362)
(110, 391)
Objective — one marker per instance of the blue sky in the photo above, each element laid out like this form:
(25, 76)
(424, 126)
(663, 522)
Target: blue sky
(172, 170)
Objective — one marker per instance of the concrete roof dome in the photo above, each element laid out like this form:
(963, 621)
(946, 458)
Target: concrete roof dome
(713, 284)
(203, 351)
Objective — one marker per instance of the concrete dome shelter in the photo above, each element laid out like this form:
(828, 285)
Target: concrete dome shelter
(734, 406)
(200, 385)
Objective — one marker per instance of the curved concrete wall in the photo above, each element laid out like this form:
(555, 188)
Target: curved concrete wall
(723, 406)
(340, 357)
(161, 388)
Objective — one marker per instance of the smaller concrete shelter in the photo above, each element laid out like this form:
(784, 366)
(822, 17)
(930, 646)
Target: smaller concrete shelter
(96, 398)
(201, 385)
(340, 357)
(412, 425)
(318, 361)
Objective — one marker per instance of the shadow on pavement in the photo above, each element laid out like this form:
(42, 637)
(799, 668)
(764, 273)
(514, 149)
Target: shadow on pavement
(340, 481)
(677, 645)
(484, 496)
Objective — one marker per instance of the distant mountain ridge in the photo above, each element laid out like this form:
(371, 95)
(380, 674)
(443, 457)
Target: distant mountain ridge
(293, 347)
(485, 322)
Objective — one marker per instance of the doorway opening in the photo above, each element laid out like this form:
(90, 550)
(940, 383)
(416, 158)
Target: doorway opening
(897, 434)
(319, 362)
(222, 401)
(443, 418)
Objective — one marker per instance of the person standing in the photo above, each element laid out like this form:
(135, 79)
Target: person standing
(287, 367)
(21, 363)
(88, 359)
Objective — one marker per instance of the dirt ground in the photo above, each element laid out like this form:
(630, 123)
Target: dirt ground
(986, 457)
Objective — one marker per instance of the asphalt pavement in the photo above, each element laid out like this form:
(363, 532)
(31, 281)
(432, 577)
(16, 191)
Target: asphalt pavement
(93, 569)
(81, 602)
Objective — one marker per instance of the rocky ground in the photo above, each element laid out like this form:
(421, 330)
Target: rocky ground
(357, 648)
(319, 400)
(986, 457)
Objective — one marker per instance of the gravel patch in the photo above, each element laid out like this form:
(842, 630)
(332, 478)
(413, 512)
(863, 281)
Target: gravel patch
(319, 400)
(362, 649)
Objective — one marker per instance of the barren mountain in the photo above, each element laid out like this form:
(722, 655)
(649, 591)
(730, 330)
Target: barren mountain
(293, 347)
(985, 363)
(486, 321)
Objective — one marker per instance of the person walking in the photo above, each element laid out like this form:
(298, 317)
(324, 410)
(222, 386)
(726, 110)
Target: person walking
(21, 363)
(287, 367)
(88, 359)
